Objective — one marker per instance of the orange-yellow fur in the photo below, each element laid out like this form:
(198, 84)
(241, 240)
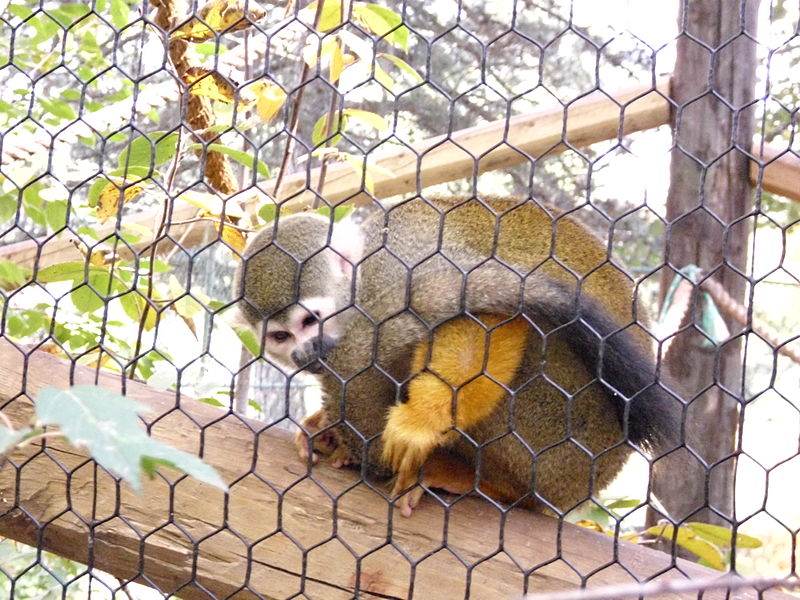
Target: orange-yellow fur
(456, 376)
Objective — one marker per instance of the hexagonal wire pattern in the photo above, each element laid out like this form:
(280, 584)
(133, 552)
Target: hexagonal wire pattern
(83, 86)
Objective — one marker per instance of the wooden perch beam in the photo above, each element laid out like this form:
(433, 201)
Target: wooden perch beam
(487, 147)
(277, 531)
(597, 117)
(781, 173)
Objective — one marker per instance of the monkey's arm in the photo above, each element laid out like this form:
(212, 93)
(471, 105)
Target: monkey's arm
(458, 377)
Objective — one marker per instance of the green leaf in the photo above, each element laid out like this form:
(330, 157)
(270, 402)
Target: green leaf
(10, 438)
(243, 158)
(210, 48)
(20, 10)
(56, 214)
(59, 108)
(70, 94)
(688, 540)
(367, 117)
(70, 271)
(46, 28)
(108, 425)
(149, 151)
(403, 66)
(212, 401)
(322, 131)
(13, 275)
(67, 14)
(248, 339)
(722, 536)
(623, 503)
(8, 206)
(339, 212)
(384, 22)
(120, 13)
(86, 299)
(267, 212)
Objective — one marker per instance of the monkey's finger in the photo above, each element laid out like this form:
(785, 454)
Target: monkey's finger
(340, 458)
(303, 444)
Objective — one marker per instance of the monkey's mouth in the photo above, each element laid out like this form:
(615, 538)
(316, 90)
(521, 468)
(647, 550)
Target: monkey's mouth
(315, 367)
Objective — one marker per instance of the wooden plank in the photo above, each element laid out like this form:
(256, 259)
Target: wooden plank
(49, 250)
(495, 145)
(279, 530)
(597, 117)
(781, 171)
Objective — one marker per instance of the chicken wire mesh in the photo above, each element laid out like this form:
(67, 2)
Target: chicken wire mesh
(143, 143)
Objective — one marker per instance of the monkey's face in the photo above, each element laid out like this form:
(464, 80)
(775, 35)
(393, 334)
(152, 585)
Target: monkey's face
(303, 335)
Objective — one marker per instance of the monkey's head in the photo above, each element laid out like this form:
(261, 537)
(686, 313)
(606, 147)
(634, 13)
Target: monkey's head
(293, 283)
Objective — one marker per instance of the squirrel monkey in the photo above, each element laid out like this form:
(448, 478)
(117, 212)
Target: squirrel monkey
(467, 335)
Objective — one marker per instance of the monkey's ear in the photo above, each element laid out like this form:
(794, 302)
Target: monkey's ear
(347, 241)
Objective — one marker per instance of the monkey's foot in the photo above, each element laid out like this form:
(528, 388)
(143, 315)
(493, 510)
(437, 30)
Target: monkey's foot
(448, 473)
(408, 439)
(323, 443)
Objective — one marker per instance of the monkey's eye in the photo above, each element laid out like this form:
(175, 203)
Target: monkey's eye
(279, 336)
(311, 319)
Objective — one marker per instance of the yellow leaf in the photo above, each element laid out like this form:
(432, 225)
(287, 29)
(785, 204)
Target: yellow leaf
(332, 53)
(383, 78)
(331, 14)
(337, 63)
(310, 52)
(234, 238)
(687, 539)
(721, 536)
(218, 16)
(92, 360)
(590, 525)
(112, 197)
(212, 204)
(210, 84)
(367, 117)
(269, 99)
(359, 167)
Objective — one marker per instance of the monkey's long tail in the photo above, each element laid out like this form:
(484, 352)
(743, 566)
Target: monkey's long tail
(650, 415)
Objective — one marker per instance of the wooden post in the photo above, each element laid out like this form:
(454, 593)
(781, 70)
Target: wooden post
(714, 89)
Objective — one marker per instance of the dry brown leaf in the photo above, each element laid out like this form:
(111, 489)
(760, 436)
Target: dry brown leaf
(52, 348)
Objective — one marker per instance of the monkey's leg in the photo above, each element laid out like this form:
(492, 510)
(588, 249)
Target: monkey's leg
(458, 365)
(451, 474)
(323, 443)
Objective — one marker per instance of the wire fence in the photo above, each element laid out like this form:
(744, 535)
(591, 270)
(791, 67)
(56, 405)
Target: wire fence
(519, 279)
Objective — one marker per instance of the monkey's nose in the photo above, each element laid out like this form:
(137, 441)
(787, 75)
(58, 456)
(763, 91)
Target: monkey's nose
(323, 345)
(309, 357)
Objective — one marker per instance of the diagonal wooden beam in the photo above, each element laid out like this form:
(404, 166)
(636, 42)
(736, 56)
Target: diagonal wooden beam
(278, 530)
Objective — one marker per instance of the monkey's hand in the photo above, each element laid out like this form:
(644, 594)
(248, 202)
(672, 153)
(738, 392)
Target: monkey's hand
(408, 439)
(323, 443)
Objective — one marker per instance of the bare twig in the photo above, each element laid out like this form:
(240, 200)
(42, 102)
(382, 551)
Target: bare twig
(294, 117)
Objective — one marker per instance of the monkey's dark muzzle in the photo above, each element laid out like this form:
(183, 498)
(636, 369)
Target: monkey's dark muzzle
(310, 356)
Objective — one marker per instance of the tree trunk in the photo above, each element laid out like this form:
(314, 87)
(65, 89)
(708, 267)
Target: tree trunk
(709, 196)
